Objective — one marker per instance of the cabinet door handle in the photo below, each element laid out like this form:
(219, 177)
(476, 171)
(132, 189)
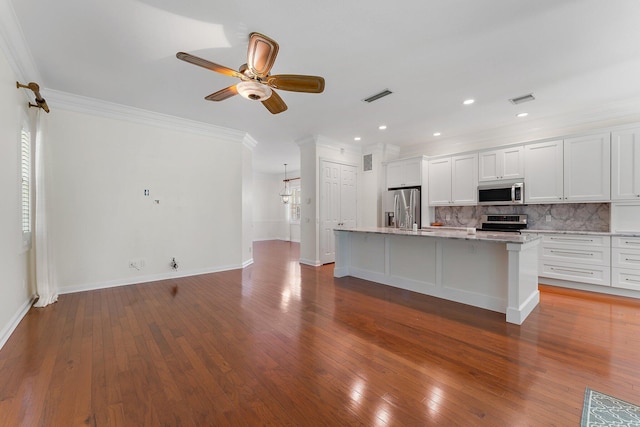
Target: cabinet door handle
(567, 270)
(571, 253)
(631, 280)
(569, 239)
(632, 242)
(632, 260)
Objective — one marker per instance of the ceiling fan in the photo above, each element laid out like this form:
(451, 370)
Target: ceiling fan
(257, 84)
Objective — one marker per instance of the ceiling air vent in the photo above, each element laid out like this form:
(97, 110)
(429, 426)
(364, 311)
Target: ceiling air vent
(524, 98)
(378, 96)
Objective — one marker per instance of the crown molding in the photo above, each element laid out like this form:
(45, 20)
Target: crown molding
(323, 141)
(82, 104)
(249, 142)
(14, 45)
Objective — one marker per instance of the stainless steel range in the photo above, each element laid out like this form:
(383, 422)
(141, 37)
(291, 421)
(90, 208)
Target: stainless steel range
(497, 222)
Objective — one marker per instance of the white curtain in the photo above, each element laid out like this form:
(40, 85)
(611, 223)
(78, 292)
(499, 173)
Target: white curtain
(45, 278)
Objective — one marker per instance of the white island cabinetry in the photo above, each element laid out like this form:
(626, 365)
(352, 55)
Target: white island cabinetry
(499, 274)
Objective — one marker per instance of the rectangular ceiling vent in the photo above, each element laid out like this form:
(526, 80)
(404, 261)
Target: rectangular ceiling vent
(524, 98)
(378, 96)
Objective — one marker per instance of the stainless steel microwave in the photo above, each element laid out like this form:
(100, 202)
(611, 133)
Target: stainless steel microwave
(505, 193)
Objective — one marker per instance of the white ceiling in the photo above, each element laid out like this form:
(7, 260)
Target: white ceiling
(580, 59)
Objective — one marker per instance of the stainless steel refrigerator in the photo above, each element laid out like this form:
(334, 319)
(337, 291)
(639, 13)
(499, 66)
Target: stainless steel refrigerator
(406, 207)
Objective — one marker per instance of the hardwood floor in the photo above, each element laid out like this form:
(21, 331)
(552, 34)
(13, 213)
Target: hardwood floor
(283, 344)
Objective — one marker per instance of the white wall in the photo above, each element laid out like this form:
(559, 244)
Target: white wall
(15, 286)
(374, 184)
(312, 150)
(270, 220)
(247, 206)
(101, 220)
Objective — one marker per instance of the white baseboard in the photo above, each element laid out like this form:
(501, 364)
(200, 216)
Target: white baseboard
(266, 239)
(146, 279)
(15, 321)
(609, 290)
(316, 263)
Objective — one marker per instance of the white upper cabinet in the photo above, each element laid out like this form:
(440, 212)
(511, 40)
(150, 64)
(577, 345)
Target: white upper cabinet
(404, 173)
(625, 164)
(573, 170)
(587, 172)
(454, 180)
(543, 167)
(440, 181)
(507, 163)
(464, 179)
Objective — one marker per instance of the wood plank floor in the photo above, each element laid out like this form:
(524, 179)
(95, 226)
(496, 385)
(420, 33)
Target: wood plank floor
(283, 344)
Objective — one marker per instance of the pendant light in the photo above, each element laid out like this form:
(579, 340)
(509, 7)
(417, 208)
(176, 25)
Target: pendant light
(285, 194)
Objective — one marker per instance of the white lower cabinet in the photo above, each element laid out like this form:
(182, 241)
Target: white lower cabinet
(625, 262)
(576, 257)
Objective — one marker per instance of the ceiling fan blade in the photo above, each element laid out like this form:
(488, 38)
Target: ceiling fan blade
(222, 94)
(261, 54)
(296, 83)
(274, 103)
(209, 65)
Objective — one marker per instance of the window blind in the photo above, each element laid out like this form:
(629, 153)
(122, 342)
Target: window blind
(25, 171)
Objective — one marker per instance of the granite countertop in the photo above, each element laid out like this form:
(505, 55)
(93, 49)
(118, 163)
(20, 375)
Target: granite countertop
(449, 233)
(595, 233)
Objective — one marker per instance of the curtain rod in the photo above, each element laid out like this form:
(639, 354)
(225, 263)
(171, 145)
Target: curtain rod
(40, 101)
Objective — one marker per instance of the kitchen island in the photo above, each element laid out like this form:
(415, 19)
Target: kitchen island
(491, 270)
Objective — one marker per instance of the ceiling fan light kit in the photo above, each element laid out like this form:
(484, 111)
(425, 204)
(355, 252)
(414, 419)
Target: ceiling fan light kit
(254, 91)
(257, 84)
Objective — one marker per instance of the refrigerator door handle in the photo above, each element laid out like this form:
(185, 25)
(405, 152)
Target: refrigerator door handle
(396, 211)
(412, 208)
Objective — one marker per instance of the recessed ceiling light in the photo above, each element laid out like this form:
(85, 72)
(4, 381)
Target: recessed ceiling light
(357, 138)
(522, 114)
(469, 101)
(382, 127)
(437, 134)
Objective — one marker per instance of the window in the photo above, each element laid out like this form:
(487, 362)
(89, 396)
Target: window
(294, 205)
(25, 184)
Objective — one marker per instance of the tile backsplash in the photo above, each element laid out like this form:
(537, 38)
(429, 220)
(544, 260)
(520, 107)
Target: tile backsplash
(562, 216)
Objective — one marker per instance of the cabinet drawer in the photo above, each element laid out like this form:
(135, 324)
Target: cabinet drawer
(625, 258)
(576, 254)
(597, 275)
(625, 278)
(625, 242)
(576, 239)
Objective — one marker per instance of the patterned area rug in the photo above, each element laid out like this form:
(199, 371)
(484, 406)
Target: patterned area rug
(603, 410)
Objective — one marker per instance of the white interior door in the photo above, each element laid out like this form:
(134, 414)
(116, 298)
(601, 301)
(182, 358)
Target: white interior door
(329, 209)
(348, 196)
(338, 191)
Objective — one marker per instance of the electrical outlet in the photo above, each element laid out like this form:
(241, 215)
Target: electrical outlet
(548, 218)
